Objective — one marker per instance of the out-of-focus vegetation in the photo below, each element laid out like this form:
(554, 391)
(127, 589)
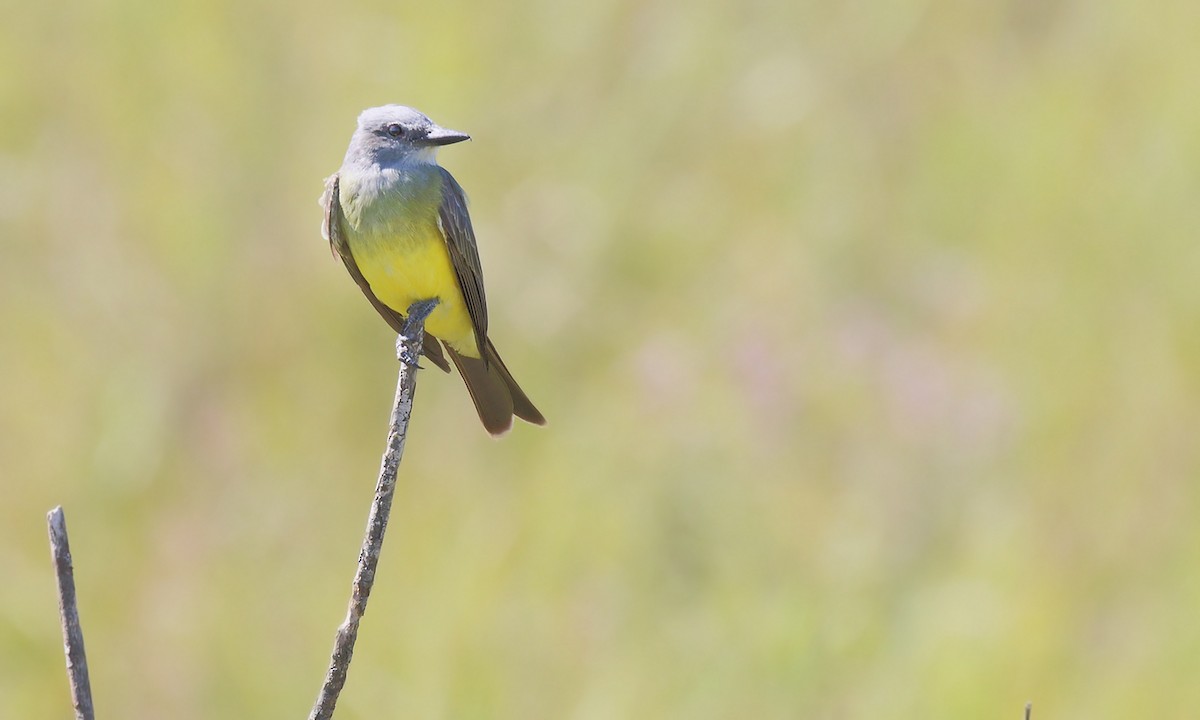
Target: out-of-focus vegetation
(869, 336)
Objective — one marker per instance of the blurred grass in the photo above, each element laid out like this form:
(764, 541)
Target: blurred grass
(867, 335)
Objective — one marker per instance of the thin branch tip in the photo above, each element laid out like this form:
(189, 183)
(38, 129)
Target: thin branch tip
(68, 612)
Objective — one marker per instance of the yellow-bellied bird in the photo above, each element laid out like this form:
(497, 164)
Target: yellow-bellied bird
(399, 222)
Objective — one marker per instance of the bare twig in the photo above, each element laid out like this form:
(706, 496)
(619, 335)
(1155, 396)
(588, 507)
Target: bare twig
(1028, 710)
(68, 611)
(408, 349)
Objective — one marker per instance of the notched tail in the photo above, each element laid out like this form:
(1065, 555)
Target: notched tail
(496, 395)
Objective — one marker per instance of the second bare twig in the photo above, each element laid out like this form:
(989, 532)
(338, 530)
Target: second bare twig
(68, 610)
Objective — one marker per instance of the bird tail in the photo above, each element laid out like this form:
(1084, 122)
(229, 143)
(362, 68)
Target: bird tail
(496, 395)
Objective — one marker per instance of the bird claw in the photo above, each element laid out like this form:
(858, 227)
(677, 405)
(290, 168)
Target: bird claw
(418, 312)
(406, 356)
(409, 359)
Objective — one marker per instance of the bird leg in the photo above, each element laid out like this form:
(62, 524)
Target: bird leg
(414, 329)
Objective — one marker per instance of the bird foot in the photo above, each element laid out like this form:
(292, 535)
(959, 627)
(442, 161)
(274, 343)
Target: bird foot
(414, 328)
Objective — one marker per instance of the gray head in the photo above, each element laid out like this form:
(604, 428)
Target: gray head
(394, 134)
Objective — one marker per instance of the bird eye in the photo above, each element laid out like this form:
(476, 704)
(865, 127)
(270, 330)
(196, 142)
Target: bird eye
(395, 130)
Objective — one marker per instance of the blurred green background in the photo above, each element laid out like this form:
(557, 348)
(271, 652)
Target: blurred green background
(869, 336)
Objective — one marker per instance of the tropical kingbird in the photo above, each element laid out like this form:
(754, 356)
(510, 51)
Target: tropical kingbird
(399, 222)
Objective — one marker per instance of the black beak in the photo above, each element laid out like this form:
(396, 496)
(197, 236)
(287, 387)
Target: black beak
(442, 136)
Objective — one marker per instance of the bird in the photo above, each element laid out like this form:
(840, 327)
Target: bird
(399, 223)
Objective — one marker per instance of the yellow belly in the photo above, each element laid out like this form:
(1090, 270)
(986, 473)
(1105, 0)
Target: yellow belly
(402, 271)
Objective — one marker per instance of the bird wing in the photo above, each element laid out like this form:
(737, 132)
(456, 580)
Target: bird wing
(455, 224)
(332, 231)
